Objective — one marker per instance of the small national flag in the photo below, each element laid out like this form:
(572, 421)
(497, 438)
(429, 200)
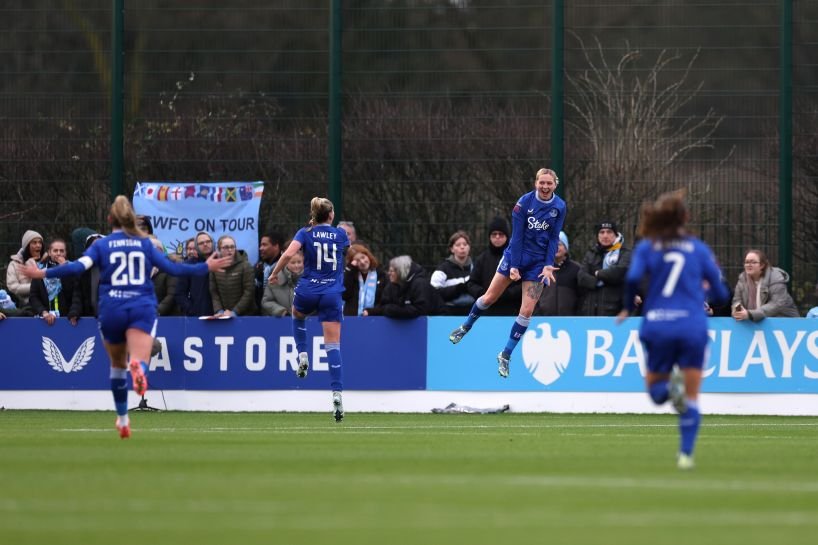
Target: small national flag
(203, 191)
(150, 192)
(163, 193)
(230, 194)
(246, 192)
(190, 191)
(176, 193)
(216, 194)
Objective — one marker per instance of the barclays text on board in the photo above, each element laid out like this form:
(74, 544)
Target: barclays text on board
(595, 355)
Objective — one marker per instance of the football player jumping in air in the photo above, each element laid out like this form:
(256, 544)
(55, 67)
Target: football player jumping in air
(536, 222)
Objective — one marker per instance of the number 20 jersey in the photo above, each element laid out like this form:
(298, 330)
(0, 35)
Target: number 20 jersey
(324, 247)
(125, 264)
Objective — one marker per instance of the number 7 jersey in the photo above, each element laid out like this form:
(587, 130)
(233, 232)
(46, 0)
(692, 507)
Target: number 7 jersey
(676, 272)
(324, 247)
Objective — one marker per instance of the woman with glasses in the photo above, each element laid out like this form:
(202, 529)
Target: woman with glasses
(761, 291)
(233, 291)
(319, 290)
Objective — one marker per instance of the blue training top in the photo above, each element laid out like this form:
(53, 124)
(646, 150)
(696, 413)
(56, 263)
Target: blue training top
(676, 270)
(125, 264)
(535, 230)
(324, 247)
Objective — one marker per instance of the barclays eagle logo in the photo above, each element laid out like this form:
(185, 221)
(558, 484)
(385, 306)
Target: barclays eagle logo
(80, 359)
(546, 357)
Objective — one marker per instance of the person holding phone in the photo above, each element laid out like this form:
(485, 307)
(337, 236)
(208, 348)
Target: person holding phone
(761, 291)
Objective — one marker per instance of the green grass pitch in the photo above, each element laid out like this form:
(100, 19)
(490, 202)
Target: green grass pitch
(239, 478)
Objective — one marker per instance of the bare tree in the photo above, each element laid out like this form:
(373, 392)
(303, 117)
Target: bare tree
(632, 125)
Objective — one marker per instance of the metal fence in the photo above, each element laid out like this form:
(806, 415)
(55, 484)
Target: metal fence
(445, 114)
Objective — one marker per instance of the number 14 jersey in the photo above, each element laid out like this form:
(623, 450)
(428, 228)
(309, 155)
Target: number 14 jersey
(324, 247)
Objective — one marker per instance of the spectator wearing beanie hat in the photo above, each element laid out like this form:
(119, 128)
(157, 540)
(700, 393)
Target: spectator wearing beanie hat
(602, 272)
(485, 265)
(32, 250)
(562, 297)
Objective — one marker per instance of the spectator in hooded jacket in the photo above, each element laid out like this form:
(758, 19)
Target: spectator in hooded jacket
(233, 290)
(164, 284)
(485, 266)
(88, 283)
(761, 291)
(31, 250)
(408, 294)
(193, 292)
(451, 277)
(602, 272)
(51, 298)
(561, 298)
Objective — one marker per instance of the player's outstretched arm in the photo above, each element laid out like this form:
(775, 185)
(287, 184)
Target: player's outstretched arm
(68, 269)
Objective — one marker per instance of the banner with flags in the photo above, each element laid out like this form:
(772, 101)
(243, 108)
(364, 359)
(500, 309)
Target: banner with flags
(179, 210)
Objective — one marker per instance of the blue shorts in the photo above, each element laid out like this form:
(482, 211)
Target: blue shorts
(329, 306)
(687, 352)
(530, 267)
(114, 322)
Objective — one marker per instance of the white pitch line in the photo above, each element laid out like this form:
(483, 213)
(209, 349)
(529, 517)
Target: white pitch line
(500, 426)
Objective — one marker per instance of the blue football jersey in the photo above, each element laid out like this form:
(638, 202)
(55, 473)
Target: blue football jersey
(535, 229)
(324, 247)
(675, 271)
(125, 264)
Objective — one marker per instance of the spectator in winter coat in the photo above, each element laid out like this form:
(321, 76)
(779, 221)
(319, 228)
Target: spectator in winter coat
(364, 280)
(485, 266)
(278, 297)
(164, 285)
(451, 277)
(602, 272)
(233, 291)
(88, 283)
(408, 294)
(17, 283)
(269, 250)
(761, 291)
(51, 298)
(561, 298)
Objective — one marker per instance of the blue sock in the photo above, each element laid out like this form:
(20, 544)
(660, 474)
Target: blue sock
(689, 427)
(659, 392)
(476, 311)
(517, 330)
(336, 370)
(119, 387)
(300, 334)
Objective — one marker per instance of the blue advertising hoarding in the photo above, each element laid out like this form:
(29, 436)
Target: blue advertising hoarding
(244, 353)
(777, 355)
(555, 355)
